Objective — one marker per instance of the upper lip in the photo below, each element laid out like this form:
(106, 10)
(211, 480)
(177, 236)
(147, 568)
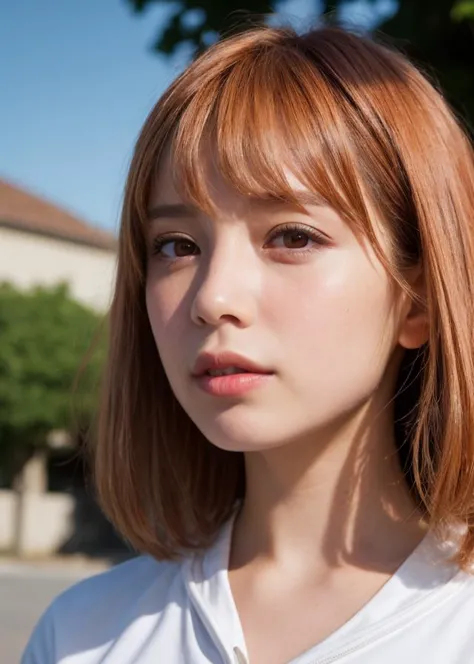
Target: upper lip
(212, 361)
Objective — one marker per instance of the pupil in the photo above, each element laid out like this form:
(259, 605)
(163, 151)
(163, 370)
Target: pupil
(184, 248)
(296, 240)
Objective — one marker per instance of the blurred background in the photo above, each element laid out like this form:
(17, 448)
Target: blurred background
(77, 79)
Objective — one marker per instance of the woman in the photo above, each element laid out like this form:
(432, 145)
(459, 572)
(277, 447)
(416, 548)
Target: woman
(286, 427)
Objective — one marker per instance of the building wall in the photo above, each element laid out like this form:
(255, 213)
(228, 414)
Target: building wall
(28, 259)
(7, 519)
(46, 523)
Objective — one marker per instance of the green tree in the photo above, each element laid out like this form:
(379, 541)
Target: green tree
(44, 338)
(437, 34)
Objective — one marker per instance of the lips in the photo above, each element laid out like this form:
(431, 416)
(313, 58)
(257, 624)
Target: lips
(229, 375)
(228, 371)
(226, 363)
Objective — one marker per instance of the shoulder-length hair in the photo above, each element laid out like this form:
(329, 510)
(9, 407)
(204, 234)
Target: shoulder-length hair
(364, 129)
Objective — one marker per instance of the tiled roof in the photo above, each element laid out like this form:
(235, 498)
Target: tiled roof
(24, 211)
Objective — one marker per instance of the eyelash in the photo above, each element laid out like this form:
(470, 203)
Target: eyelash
(160, 242)
(312, 233)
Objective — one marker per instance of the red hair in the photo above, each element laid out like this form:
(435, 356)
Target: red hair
(366, 132)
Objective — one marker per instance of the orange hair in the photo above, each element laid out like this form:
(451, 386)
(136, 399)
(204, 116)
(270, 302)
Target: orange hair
(365, 131)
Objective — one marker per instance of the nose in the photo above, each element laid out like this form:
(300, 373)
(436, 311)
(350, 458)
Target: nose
(227, 288)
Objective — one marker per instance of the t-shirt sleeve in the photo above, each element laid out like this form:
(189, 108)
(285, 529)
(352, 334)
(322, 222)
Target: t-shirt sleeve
(41, 646)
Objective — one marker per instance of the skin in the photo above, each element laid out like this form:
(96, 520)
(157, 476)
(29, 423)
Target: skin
(327, 516)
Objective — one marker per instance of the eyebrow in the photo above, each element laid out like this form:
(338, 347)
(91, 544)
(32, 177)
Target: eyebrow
(305, 197)
(171, 211)
(180, 210)
(302, 197)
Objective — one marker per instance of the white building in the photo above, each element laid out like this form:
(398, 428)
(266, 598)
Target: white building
(42, 244)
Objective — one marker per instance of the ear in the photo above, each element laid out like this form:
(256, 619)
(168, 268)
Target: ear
(414, 323)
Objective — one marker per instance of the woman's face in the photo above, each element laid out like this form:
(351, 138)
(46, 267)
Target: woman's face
(293, 304)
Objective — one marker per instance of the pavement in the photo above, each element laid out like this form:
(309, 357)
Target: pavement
(26, 590)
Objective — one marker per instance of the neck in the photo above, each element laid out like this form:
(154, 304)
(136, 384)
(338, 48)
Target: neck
(337, 499)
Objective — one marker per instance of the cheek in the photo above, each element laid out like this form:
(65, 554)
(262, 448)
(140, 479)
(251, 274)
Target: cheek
(336, 313)
(165, 302)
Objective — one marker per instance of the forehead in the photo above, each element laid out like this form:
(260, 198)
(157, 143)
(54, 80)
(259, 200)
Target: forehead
(166, 188)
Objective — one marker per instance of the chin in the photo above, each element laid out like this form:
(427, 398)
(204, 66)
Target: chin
(235, 445)
(240, 434)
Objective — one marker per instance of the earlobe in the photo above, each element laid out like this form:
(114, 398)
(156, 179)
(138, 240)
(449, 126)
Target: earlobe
(414, 330)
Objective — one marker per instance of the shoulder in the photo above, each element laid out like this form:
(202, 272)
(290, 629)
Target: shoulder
(461, 596)
(124, 585)
(95, 611)
(125, 582)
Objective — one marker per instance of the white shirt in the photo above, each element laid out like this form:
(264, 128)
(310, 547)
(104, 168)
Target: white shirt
(148, 612)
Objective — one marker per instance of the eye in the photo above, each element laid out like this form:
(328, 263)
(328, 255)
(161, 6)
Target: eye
(296, 237)
(174, 247)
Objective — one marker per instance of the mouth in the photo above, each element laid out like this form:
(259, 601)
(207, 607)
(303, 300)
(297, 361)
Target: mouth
(228, 371)
(229, 375)
(226, 364)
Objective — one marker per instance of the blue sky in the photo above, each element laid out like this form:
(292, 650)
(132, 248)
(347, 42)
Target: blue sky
(78, 78)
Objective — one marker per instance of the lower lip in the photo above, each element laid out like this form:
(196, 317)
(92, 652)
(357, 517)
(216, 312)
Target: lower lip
(233, 385)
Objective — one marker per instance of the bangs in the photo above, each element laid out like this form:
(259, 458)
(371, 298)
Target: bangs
(279, 110)
(271, 116)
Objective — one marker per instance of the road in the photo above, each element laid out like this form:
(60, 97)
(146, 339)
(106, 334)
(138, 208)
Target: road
(25, 592)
